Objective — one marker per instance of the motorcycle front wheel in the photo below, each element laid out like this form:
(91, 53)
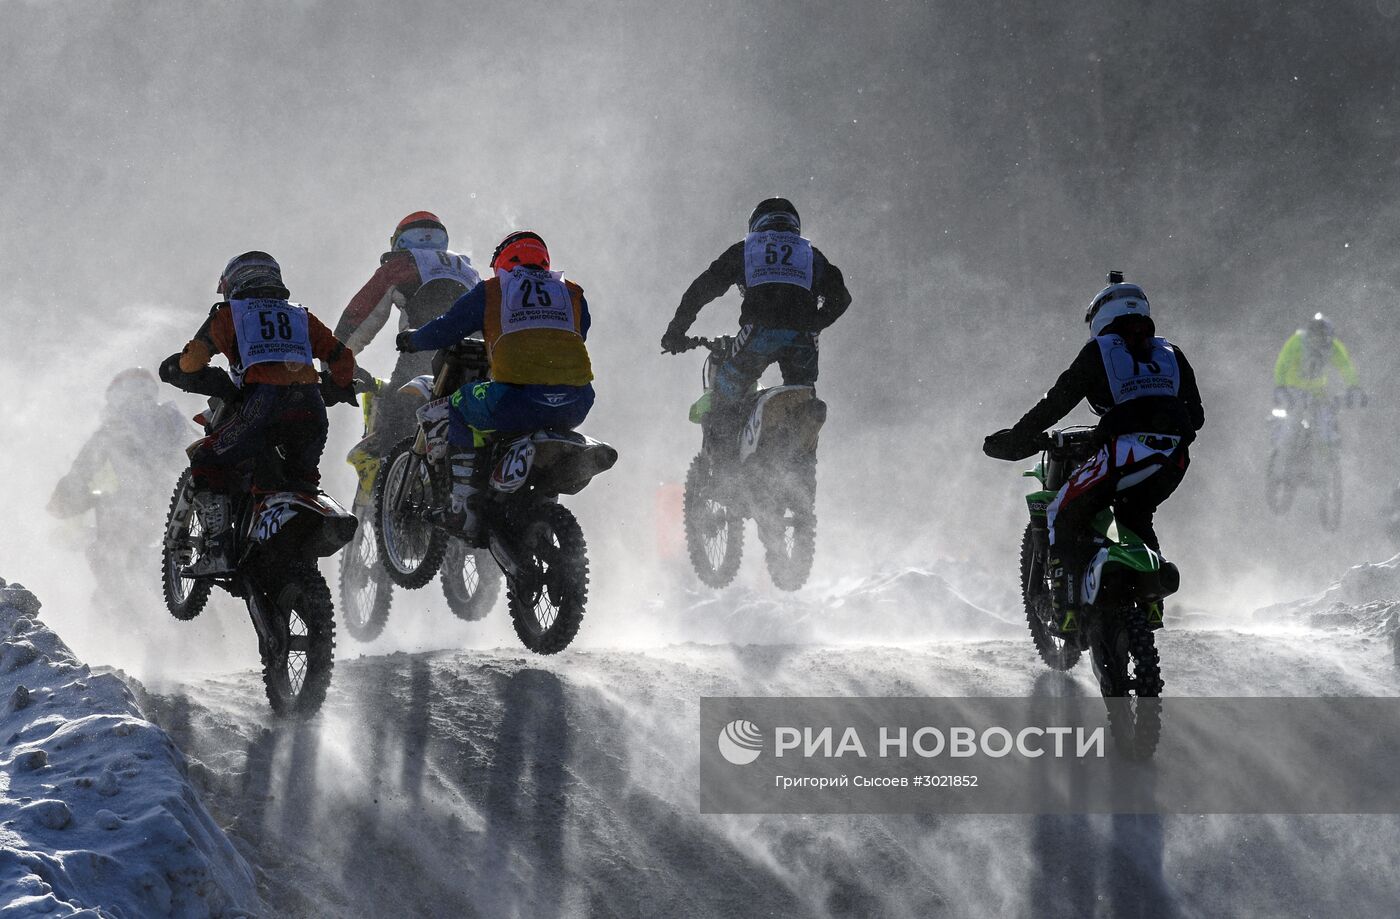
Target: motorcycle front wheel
(297, 669)
(184, 597)
(1057, 652)
(366, 591)
(410, 547)
(1330, 494)
(714, 531)
(547, 598)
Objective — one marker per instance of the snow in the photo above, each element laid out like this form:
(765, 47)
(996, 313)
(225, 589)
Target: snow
(97, 815)
(497, 783)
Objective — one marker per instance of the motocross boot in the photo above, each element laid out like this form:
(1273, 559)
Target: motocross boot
(217, 554)
(463, 515)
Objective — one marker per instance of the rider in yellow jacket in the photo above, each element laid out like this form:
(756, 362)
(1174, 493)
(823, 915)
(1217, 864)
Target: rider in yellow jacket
(1301, 378)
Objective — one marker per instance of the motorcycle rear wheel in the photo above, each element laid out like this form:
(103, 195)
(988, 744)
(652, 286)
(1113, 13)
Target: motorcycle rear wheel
(1121, 638)
(546, 601)
(714, 532)
(410, 547)
(789, 531)
(471, 581)
(184, 597)
(298, 674)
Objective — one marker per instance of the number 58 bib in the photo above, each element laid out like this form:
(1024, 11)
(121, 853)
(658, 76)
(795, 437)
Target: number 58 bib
(271, 330)
(777, 258)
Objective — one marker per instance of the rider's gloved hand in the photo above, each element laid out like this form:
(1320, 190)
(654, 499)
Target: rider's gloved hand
(674, 341)
(1007, 444)
(1356, 397)
(1283, 397)
(404, 340)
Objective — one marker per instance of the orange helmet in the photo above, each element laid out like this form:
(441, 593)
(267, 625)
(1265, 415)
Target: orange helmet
(523, 247)
(432, 234)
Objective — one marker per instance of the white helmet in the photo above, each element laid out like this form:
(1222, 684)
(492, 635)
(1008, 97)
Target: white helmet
(1115, 301)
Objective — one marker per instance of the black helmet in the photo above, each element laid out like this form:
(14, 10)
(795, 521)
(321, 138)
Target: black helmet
(252, 271)
(775, 214)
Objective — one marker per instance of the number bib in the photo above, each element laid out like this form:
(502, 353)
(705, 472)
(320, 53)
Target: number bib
(1129, 378)
(532, 299)
(271, 330)
(777, 258)
(436, 264)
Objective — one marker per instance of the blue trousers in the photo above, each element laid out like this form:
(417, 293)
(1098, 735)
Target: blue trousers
(482, 409)
(794, 352)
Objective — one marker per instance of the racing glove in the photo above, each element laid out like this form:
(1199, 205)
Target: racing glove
(1283, 397)
(1008, 444)
(404, 340)
(674, 341)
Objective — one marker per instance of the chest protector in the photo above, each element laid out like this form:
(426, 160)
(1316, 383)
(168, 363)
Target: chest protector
(1129, 378)
(271, 330)
(533, 329)
(777, 258)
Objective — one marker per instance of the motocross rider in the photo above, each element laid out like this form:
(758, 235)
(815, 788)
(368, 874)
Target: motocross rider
(1301, 378)
(118, 468)
(535, 323)
(790, 294)
(422, 277)
(269, 344)
(1145, 393)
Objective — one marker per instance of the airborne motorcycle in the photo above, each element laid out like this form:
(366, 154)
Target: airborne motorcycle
(1123, 587)
(470, 583)
(775, 482)
(535, 540)
(278, 535)
(1306, 454)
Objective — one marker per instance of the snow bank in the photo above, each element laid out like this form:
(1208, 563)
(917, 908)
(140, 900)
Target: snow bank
(97, 817)
(1366, 598)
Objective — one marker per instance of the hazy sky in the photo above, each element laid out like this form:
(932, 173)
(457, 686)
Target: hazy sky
(974, 170)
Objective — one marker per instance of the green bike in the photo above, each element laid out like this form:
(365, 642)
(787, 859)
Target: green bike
(1123, 586)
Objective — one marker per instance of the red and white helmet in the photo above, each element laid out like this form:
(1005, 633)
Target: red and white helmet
(419, 230)
(523, 247)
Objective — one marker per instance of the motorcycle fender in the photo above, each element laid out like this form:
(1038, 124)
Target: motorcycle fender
(752, 434)
(514, 467)
(420, 386)
(1039, 501)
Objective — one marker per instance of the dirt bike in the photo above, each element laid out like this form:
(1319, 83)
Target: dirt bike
(535, 541)
(775, 481)
(470, 583)
(1305, 455)
(277, 537)
(1122, 588)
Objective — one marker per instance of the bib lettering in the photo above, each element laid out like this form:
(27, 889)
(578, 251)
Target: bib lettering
(436, 264)
(533, 299)
(1129, 378)
(777, 258)
(271, 330)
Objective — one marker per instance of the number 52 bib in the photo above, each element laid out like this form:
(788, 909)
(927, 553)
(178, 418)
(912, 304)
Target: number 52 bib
(777, 258)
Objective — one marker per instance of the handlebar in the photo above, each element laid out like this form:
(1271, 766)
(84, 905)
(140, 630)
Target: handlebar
(720, 345)
(1070, 437)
